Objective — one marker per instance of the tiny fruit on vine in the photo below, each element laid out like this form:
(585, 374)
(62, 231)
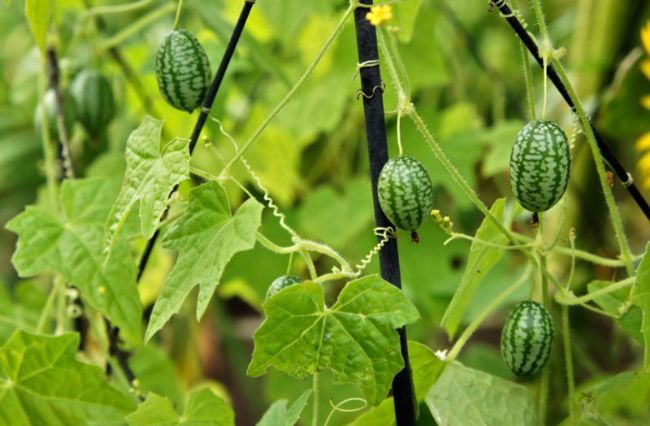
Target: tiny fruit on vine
(182, 70)
(405, 192)
(49, 103)
(281, 282)
(526, 338)
(94, 102)
(540, 165)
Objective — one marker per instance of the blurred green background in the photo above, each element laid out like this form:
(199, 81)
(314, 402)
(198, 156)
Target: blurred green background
(466, 79)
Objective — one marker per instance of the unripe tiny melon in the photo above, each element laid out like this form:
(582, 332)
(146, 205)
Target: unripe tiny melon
(94, 102)
(49, 103)
(182, 70)
(526, 338)
(540, 165)
(281, 282)
(405, 192)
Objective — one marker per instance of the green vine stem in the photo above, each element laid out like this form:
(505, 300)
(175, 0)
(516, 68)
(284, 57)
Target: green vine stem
(280, 106)
(48, 152)
(543, 395)
(177, 19)
(567, 297)
(49, 304)
(528, 74)
(568, 362)
(314, 396)
(136, 27)
(494, 304)
(117, 8)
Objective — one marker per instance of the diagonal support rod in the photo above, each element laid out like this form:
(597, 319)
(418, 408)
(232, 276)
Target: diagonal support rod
(373, 105)
(531, 45)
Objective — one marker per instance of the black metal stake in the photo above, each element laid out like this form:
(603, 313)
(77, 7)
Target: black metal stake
(607, 154)
(373, 105)
(205, 111)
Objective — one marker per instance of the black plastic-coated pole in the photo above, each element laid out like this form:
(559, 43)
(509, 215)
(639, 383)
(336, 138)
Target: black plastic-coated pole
(205, 109)
(607, 154)
(373, 105)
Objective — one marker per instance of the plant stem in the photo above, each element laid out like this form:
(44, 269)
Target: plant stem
(528, 75)
(567, 298)
(48, 153)
(179, 8)
(118, 8)
(47, 308)
(64, 144)
(314, 396)
(494, 304)
(310, 69)
(543, 394)
(136, 27)
(568, 362)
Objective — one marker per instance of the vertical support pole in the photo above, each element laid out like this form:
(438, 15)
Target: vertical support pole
(373, 105)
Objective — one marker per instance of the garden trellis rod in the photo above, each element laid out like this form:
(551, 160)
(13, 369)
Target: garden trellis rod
(373, 105)
(525, 37)
(205, 110)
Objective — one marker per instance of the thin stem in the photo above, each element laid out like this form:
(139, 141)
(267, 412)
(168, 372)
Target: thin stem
(179, 8)
(136, 27)
(568, 298)
(315, 402)
(493, 305)
(48, 152)
(543, 394)
(460, 236)
(399, 133)
(568, 362)
(280, 106)
(64, 143)
(541, 22)
(47, 308)
(271, 246)
(310, 264)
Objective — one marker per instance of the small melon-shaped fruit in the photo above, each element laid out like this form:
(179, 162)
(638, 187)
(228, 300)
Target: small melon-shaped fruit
(405, 192)
(94, 102)
(540, 165)
(182, 70)
(49, 103)
(281, 282)
(526, 338)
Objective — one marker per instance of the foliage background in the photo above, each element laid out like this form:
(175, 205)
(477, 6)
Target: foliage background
(465, 76)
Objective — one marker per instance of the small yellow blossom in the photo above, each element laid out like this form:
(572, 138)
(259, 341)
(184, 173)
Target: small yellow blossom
(383, 13)
(643, 143)
(645, 101)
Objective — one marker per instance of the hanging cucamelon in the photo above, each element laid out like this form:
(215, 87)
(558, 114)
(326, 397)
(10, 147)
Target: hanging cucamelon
(94, 102)
(405, 192)
(540, 165)
(182, 70)
(526, 338)
(281, 282)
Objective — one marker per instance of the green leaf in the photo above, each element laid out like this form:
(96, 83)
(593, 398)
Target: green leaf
(38, 15)
(73, 248)
(156, 372)
(616, 302)
(203, 409)
(43, 384)
(480, 260)
(355, 338)
(381, 415)
(616, 400)
(463, 396)
(152, 171)
(641, 298)
(279, 415)
(207, 236)
(426, 367)
(20, 310)
(406, 13)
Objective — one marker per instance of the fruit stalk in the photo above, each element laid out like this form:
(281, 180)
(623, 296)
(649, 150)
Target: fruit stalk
(403, 392)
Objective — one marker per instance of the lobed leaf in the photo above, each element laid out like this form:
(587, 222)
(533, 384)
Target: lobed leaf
(72, 246)
(43, 384)
(152, 172)
(641, 298)
(355, 338)
(38, 14)
(279, 415)
(207, 236)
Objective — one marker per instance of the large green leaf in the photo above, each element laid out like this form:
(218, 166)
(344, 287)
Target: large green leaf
(43, 384)
(72, 246)
(480, 260)
(203, 409)
(464, 396)
(406, 12)
(152, 171)
(355, 338)
(279, 415)
(38, 15)
(641, 298)
(207, 236)
(616, 302)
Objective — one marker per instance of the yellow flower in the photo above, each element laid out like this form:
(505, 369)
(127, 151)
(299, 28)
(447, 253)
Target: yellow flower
(645, 101)
(645, 37)
(643, 143)
(383, 13)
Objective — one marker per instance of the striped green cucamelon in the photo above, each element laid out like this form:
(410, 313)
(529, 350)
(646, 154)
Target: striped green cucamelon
(526, 338)
(540, 165)
(49, 103)
(94, 102)
(405, 192)
(182, 70)
(281, 282)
